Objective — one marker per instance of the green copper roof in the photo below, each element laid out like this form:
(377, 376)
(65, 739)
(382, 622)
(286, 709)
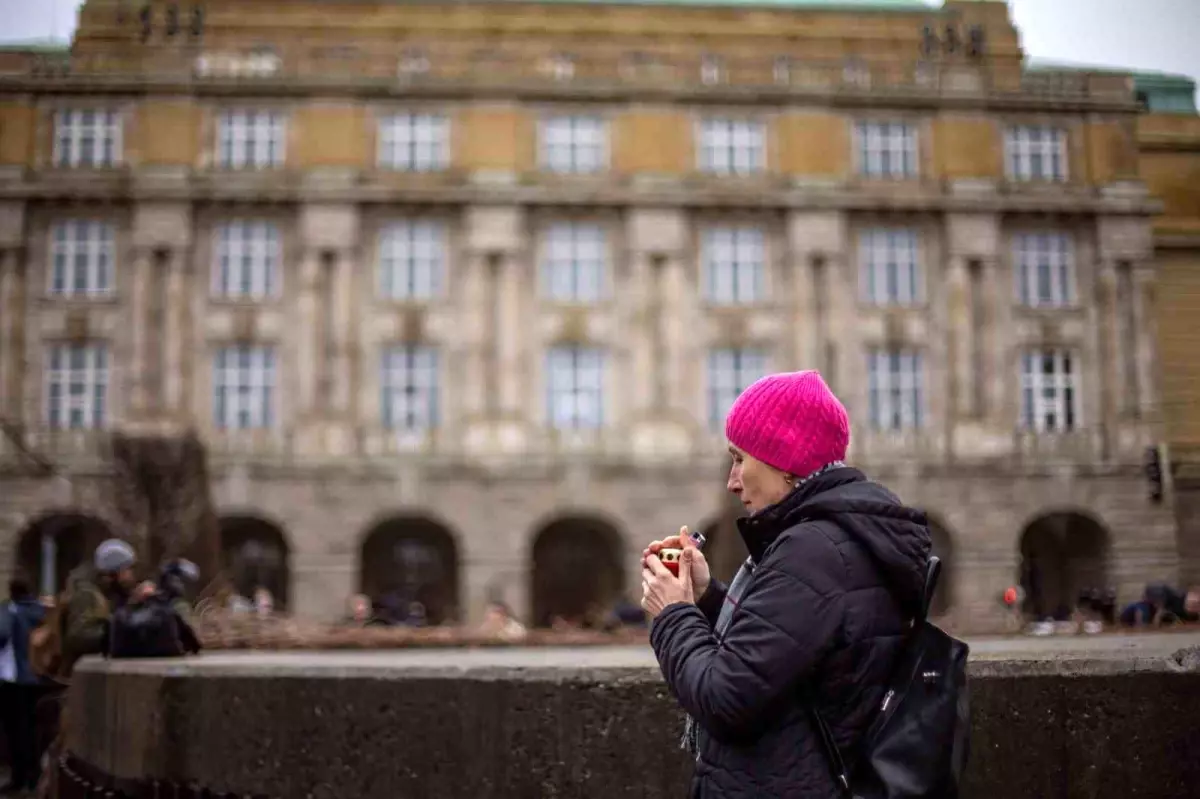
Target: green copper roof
(36, 46)
(1162, 92)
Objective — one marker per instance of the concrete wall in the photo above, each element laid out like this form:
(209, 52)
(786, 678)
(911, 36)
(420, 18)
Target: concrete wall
(353, 725)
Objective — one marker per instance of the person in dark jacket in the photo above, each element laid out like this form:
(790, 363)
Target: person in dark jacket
(20, 688)
(813, 619)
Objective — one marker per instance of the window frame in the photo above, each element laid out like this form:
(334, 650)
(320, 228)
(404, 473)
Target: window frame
(718, 147)
(570, 156)
(410, 388)
(1065, 407)
(98, 249)
(591, 361)
(1052, 148)
(260, 392)
(238, 146)
(755, 285)
(747, 364)
(424, 274)
(879, 249)
(897, 151)
(107, 136)
(266, 268)
(1057, 270)
(896, 394)
(586, 273)
(419, 156)
(60, 401)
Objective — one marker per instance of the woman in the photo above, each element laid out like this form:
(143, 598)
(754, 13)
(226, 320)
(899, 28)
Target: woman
(815, 616)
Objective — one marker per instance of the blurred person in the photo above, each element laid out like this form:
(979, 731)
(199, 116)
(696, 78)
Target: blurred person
(499, 621)
(94, 591)
(358, 610)
(815, 617)
(264, 602)
(20, 688)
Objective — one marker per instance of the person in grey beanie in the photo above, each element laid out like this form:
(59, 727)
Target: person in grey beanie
(94, 592)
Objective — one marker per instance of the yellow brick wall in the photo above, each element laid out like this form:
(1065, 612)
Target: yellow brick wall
(163, 133)
(328, 134)
(1178, 306)
(652, 141)
(18, 130)
(494, 138)
(1110, 151)
(816, 144)
(967, 147)
(1174, 178)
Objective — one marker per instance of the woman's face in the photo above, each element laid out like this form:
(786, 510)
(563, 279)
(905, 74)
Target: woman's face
(755, 483)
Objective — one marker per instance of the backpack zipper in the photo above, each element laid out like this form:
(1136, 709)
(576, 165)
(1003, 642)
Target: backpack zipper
(887, 698)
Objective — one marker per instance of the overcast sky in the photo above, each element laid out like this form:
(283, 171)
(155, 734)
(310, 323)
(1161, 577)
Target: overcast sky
(1161, 35)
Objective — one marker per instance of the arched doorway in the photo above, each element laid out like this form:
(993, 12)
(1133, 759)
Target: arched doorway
(943, 547)
(577, 570)
(409, 560)
(255, 554)
(54, 545)
(1062, 554)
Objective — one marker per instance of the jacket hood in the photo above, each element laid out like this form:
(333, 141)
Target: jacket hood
(895, 535)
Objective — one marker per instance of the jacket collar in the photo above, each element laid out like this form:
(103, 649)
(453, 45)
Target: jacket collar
(760, 530)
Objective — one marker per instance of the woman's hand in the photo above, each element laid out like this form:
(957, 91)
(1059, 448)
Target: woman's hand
(660, 588)
(701, 576)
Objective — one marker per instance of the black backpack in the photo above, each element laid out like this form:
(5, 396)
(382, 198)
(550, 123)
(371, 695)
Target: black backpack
(150, 629)
(917, 745)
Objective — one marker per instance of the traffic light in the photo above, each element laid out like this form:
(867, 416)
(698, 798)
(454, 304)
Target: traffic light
(1154, 473)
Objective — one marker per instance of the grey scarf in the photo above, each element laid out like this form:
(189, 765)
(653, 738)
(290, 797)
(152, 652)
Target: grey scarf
(733, 596)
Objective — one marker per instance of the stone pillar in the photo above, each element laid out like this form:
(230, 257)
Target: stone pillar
(808, 276)
(135, 354)
(675, 326)
(176, 338)
(1000, 360)
(344, 335)
(10, 319)
(1144, 338)
(826, 294)
(959, 342)
(475, 312)
(512, 326)
(1103, 368)
(308, 334)
(639, 319)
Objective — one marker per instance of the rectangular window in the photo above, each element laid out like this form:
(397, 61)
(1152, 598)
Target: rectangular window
(251, 139)
(895, 389)
(414, 142)
(575, 388)
(244, 387)
(574, 144)
(889, 266)
(574, 262)
(87, 137)
(81, 258)
(1045, 270)
(734, 260)
(246, 261)
(411, 260)
(1036, 152)
(730, 372)
(76, 386)
(732, 147)
(887, 149)
(409, 380)
(1048, 396)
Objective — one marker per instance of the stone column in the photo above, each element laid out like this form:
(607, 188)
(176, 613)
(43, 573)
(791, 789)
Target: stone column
(135, 356)
(175, 333)
(475, 310)
(1144, 338)
(959, 342)
(513, 325)
(1002, 361)
(1103, 367)
(308, 334)
(808, 271)
(343, 335)
(675, 327)
(10, 317)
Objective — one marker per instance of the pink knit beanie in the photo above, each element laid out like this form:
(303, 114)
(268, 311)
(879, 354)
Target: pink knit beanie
(790, 421)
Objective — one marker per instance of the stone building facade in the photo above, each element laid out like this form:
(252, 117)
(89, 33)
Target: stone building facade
(458, 295)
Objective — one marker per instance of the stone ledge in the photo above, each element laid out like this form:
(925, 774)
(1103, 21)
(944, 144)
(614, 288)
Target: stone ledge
(1110, 717)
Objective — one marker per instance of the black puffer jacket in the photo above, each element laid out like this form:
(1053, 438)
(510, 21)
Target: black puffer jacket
(839, 573)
